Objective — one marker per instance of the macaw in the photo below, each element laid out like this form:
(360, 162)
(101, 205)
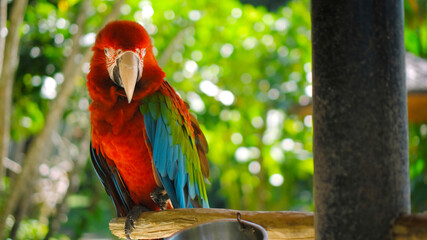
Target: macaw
(146, 148)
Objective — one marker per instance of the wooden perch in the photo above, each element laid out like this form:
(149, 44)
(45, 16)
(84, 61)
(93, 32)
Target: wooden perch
(279, 225)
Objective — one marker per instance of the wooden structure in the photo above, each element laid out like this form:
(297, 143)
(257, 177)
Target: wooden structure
(279, 225)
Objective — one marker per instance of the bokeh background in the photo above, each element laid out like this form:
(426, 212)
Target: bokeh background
(243, 66)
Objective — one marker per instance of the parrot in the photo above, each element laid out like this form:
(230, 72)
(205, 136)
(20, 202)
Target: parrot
(146, 147)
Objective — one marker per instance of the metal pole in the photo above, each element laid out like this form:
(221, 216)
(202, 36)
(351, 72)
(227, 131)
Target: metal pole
(361, 179)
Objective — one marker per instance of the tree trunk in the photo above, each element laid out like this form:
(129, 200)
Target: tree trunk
(361, 167)
(8, 65)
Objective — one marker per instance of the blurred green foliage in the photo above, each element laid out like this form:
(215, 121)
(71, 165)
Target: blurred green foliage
(240, 67)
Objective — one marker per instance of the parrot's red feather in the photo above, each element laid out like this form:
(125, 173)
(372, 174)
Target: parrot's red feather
(118, 127)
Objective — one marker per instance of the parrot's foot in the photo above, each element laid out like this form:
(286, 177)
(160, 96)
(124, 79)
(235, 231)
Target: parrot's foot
(160, 197)
(132, 216)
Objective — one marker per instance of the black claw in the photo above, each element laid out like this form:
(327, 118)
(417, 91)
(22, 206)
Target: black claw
(160, 197)
(132, 216)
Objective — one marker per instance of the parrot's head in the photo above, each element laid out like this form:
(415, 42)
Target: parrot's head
(123, 50)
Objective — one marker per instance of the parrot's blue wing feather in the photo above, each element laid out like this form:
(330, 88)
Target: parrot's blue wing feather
(175, 154)
(112, 182)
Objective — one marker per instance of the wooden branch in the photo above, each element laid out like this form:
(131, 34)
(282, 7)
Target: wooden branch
(9, 55)
(279, 225)
(410, 227)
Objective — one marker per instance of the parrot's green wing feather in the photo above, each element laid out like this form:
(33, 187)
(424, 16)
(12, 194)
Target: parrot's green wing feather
(178, 148)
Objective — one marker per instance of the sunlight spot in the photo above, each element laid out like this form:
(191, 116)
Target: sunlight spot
(283, 51)
(88, 39)
(289, 86)
(257, 122)
(255, 152)
(236, 138)
(49, 88)
(196, 103)
(254, 167)
(225, 115)
(177, 57)
(423, 130)
(276, 179)
(61, 23)
(246, 78)
(189, 40)
(44, 169)
(236, 12)
(155, 51)
(86, 67)
(50, 69)
(190, 67)
(35, 52)
(59, 38)
(194, 15)
(178, 76)
(26, 122)
(309, 90)
(226, 50)
(151, 29)
(273, 94)
(102, 7)
(295, 76)
(83, 104)
(169, 15)
(36, 81)
(264, 85)
(59, 78)
(249, 43)
(242, 154)
(275, 118)
(147, 11)
(73, 28)
(304, 100)
(125, 9)
(226, 97)
(309, 77)
(3, 32)
(281, 24)
(208, 88)
(267, 40)
(259, 26)
(288, 144)
(307, 67)
(197, 55)
(277, 154)
(268, 19)
(308, 121)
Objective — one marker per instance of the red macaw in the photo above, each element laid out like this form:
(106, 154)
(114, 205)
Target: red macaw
(146, 147)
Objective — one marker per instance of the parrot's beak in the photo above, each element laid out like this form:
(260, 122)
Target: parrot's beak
(128, 65)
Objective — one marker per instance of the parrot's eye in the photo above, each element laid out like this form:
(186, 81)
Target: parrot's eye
(106, 51)
(119, 51)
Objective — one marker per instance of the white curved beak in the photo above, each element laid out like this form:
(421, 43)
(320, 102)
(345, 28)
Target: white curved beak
(129, 69)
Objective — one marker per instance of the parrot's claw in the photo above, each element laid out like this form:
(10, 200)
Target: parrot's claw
(132, 216)
(160, 197)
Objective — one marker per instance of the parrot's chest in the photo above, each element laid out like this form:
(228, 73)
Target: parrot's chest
(125, 145)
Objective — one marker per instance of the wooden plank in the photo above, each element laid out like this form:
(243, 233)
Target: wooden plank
(417, 107)
(279, 225)
(410, 227)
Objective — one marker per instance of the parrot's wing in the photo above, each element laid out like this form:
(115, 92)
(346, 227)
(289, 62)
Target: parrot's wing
(180, 162)
(113, 183)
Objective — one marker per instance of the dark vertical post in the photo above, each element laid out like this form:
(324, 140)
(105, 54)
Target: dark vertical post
(361, 179)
